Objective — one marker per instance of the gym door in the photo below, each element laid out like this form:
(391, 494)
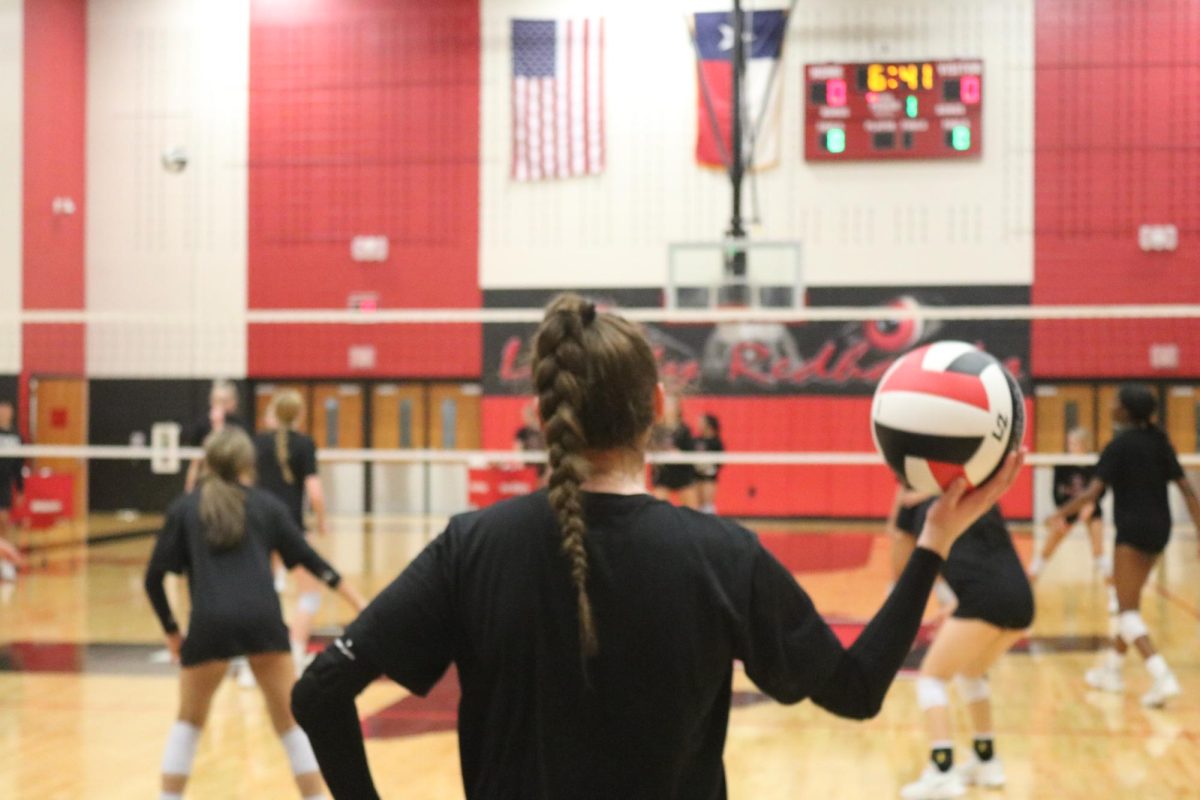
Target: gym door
(337, 423)
(59, 416)
(1058, 409)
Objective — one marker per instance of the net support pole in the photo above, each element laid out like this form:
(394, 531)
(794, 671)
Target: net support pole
(735, 255)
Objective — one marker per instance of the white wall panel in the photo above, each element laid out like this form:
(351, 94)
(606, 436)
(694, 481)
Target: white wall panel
(161, 74)
(11, 114)
(919, 222)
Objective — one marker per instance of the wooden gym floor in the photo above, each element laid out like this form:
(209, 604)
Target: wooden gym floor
(85, 702)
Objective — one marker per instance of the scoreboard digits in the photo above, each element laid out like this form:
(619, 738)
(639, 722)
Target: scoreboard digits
(916, 109)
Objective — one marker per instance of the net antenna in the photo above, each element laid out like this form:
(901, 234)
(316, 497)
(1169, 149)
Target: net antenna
(738, 157)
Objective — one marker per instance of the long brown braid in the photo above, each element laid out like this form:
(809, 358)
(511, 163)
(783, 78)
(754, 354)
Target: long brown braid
(285, 407)
(595, 376)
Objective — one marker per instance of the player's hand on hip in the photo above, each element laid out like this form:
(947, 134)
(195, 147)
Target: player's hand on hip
(958, 508)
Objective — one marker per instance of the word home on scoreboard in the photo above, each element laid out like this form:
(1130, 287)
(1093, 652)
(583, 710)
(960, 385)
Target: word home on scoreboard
(909, 109)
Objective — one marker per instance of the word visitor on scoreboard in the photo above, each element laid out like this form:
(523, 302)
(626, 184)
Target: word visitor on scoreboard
(899, 110)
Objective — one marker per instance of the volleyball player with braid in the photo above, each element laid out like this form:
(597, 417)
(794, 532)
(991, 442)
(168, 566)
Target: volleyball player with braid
(594, 627)
(287, 468)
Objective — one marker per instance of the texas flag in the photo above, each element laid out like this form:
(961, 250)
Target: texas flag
(763, 32)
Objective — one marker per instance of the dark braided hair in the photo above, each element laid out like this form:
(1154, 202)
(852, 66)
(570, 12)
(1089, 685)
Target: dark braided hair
(595, 376)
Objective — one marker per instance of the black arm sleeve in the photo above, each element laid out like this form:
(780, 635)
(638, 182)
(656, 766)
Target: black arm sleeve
(294, 549)
(169, 556)
(323, 704)
(405, 633)
(791, 653)
(866, 670)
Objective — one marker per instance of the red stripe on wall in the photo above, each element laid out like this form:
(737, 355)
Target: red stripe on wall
(364, 120)
(55, 84)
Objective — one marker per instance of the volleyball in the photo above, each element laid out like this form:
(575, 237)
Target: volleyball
(944, 411)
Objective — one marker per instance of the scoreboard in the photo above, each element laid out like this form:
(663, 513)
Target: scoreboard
(914, 109)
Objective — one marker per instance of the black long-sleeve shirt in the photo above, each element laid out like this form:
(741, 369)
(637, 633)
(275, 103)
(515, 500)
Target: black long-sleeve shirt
(12, 473)
(677, 596)
(232, 586)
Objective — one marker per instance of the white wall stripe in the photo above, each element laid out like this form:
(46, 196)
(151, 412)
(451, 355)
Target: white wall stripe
(12, 54)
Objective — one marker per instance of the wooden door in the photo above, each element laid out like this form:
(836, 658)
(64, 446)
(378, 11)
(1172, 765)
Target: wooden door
(398, 416)
(337, 415)
(1106, 401)
(1181, 417)
(265, 392)
(1058, 409)
(60, 417)
(454, 410)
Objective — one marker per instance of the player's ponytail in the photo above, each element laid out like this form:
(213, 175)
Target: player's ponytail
(595, 376)
(285, 407)
(229, 455)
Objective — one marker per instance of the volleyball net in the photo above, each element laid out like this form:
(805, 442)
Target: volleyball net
(422, 411)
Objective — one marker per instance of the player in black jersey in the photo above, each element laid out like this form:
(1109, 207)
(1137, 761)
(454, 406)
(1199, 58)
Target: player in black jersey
(674, 435)
(1139, 464)
(709, 441)
(286, 466)
(594, 627)
(995, 606)
(221, 536)
(222, 412)
(12, 484)
(1071, 480)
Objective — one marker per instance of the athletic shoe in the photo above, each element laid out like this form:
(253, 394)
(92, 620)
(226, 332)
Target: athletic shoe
(988, 774)
(1104, 679)
(1163, 690)
(935, 785)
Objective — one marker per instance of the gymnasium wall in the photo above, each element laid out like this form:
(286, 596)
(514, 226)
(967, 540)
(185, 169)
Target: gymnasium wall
(364, 121)
(165, 73)
(54, 212)
(908, 223)
(1118, 115)
(11, 33)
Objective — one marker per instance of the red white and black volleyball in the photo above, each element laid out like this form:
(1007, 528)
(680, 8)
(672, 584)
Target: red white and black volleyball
(946, 410)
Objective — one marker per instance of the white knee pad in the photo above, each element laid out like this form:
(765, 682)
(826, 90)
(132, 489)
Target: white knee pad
(931, 693)
(309, 603)
(299, 752)
(181, 749)
(1131, 626)
(974, 690)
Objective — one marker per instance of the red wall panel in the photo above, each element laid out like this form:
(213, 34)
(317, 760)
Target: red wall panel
(1117, 118)
(782, 424)
(364, 120)
(55, 80)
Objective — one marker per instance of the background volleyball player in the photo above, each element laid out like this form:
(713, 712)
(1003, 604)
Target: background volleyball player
(594, 627)
(1071, 480)
(221, 536)
(12, 484)
(995, 606)
(222, 411)
(675, 480)
(1139, 463)
(709, 441)
(287, 468)
(903, 527)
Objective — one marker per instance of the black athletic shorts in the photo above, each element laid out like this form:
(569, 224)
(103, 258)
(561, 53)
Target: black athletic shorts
(1151, 541)
(221, 640)
(906, 519)
(673, 476)
(990, 583)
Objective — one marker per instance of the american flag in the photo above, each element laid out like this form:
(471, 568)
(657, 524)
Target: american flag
(557, 98)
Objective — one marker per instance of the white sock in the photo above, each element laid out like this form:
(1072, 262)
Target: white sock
(299, 751)
(1113, 659)
(170, 796)
(1156, 665)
